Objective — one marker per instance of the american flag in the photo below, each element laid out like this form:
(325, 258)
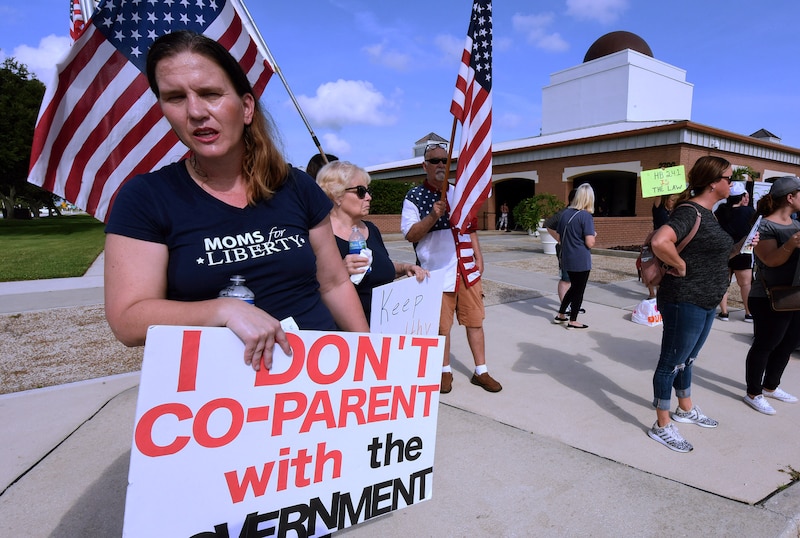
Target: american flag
(99, 123)
(472, 106)
(76, 20)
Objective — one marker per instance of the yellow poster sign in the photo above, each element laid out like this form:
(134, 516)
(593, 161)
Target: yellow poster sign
(663, 181)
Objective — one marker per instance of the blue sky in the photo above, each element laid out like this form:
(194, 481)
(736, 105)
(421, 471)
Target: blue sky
(374, 77)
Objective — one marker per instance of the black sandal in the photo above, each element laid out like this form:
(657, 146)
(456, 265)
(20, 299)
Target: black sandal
(581, 326)
(559, 319)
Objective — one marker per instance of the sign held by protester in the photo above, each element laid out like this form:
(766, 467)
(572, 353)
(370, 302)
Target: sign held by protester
(341, 432)
(406, 306)
(663, 181)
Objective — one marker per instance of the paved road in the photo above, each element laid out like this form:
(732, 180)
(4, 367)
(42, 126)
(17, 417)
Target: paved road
(561, 451)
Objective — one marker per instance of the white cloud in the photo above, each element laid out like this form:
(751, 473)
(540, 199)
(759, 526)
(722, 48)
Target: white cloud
(535, 27)
(604, 11)
(331, 143)
(41, 61)
(347, 102)
(388, 58)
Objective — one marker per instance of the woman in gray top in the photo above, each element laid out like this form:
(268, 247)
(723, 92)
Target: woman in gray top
(689, 294)
(777, 334)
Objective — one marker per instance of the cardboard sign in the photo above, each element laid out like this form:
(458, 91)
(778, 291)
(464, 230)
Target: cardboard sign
(747, 246)
(341, 432)
(408, 307)
(663, 181)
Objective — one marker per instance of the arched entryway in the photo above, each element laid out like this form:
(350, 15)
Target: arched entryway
(614, 185)
(511, 189)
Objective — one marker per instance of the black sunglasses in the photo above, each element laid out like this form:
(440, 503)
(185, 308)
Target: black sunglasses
(727, 178)
(361, 191)
(436, 161)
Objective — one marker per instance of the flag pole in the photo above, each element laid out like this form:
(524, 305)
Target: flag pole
(87, 7)
(263, 44)
(449, 159)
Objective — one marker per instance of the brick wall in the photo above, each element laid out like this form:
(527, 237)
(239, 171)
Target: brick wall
(621, 231)
(387, 224)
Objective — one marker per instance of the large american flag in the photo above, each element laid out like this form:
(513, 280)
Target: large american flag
(472, 106)
(99, 123)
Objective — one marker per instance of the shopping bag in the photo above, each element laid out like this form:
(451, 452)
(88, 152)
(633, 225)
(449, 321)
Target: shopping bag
(646, 313)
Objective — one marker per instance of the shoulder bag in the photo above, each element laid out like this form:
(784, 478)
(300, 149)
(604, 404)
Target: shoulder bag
(781, 298)
(651, 268)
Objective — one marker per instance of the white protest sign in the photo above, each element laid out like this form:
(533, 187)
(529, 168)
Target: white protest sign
(760, 188)
(408, 307)
(341, 432)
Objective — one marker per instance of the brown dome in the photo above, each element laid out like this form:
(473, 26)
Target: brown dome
(615, 42)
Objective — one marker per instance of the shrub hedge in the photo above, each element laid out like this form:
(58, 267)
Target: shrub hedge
(387, 196)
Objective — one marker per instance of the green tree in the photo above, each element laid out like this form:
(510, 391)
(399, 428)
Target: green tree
(528, 212)
(740, 173)
(20, 97)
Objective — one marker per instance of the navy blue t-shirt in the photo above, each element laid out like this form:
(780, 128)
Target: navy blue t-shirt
(573, 227)
(209, 240)
(382, 267)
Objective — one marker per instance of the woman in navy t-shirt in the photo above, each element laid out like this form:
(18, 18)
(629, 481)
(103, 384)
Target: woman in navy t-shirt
(234, 207)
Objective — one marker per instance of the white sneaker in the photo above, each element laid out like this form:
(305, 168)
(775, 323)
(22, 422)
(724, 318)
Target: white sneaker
(694, 416)
(780, 394)
(760, 404)
(669, 437)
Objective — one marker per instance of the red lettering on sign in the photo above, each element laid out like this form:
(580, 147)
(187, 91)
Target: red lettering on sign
(365, 352)
(352, 403)
(265, 377)
(143, 436)
(376, 402)
(283, 412)
(423, 344)
(342, 358)
(200, 426)
(190, 352)
(320, 410)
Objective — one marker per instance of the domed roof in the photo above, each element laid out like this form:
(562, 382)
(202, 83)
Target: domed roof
(615, 42)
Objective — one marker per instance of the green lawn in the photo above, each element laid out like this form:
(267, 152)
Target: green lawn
(49, 247)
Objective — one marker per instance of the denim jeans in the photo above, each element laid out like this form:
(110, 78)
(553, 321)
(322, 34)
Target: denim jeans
(686, 327)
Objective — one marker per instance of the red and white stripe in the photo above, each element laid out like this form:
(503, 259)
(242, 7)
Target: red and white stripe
(467, 267)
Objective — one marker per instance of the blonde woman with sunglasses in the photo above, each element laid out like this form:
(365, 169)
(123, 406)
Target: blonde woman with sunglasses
(347, 185)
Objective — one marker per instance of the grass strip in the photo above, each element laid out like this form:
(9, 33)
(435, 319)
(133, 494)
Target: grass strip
(49, 247)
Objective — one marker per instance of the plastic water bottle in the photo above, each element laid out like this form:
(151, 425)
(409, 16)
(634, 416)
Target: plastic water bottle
(238, 290)
(357, 243)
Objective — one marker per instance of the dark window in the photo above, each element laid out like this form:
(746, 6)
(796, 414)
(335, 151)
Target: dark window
(614, 192)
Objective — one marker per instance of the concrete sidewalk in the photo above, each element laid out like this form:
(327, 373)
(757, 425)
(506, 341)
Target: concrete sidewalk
(561, 451)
